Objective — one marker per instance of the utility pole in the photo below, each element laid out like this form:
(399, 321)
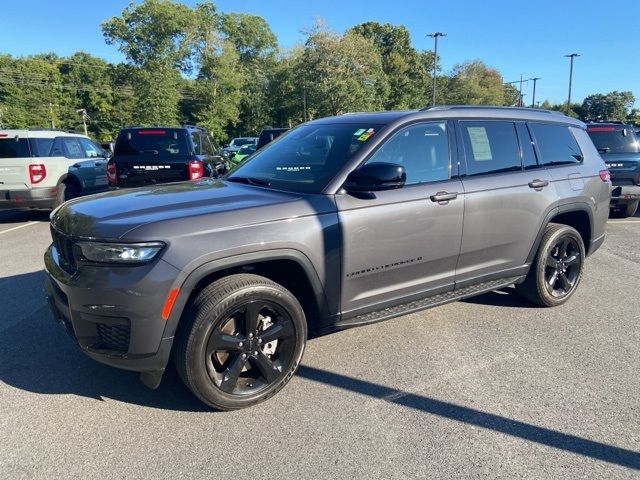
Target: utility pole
(520, 104)
(571, 56)
(435, 36)
(85, 117)
(304, 101)
(53, 123)
(533, 100)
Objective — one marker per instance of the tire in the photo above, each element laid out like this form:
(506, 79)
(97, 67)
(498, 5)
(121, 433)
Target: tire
(66, 191)
(561, 252)
(625, 211)
(240, 315)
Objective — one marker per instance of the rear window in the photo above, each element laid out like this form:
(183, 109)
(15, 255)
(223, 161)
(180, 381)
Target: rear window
(41, 147)
(12, 148)
(609, 139)
(152, 141)
(242, 141)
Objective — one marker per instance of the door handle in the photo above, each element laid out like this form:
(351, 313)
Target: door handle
(538, 184)
(444, 197)
(99, 164)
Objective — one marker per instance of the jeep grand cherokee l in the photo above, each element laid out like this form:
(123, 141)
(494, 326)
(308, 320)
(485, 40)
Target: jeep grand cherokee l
(344, 221)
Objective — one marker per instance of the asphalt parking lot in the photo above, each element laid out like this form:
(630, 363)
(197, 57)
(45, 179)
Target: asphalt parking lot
(486, 388)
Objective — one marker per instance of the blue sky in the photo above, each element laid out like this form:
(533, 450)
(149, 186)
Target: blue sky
(516, 37)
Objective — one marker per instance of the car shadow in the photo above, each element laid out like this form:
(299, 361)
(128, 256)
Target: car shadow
(17, 216)
(36, 356)
(503, 297)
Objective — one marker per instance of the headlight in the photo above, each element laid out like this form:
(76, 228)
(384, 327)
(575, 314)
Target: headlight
(120, 252)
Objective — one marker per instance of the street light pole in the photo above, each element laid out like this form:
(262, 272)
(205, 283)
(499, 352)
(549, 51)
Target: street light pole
(571, 56)
(533, 100)
(435, 36)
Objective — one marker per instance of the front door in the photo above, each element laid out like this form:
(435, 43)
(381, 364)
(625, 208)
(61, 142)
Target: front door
(403, 243)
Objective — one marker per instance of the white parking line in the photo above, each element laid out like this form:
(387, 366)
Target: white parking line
(625, 221)
(16, 228)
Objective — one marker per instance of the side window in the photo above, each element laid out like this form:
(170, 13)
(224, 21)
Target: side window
(556, 144)
(490, 147)
(67, 147)
(91, 149)
(423, 150)
(207, 145)
(197, 142)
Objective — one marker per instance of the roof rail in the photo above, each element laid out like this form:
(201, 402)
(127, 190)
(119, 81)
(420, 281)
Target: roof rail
(491, 107)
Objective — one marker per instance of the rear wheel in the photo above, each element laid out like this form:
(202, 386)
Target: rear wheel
(66, 191)
(243, 340)
(557, 268)
(625, 211)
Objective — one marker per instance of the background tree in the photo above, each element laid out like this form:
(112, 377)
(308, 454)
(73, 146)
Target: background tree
(159, 37)
(474, 83)
(611, 106)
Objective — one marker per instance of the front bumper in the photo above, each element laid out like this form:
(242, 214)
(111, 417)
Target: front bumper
(624, 194)
(113, 313)
(35, 198)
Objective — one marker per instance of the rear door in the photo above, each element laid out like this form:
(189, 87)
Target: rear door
(79, 166)
(152, 155)
(95, 159)
(15, 156)
(507, 195)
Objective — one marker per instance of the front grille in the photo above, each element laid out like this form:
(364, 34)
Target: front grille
(64, 246)
(113, 337)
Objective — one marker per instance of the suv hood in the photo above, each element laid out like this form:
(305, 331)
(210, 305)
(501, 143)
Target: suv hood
(111, 215)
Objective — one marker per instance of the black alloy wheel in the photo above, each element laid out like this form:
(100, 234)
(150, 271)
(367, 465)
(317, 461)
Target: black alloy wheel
(250, 349)
(240, 341)
(563, 266)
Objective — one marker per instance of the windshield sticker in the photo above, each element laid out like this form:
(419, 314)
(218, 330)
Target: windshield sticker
(358, 132)
(480, 143)
(364, 136)
(296, 168)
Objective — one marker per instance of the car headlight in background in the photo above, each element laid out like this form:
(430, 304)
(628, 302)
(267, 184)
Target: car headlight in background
(120, 252)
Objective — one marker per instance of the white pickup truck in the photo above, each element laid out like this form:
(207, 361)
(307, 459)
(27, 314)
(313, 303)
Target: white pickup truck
(40, 169)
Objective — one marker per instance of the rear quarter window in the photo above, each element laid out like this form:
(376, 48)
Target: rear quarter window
(12, 148)
(555, 144)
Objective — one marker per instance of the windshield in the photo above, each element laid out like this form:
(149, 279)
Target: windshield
(152, 141)
(612, 139)
(307, 158)
(237, 142)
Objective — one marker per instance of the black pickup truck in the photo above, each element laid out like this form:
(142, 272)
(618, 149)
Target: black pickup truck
(151, 155)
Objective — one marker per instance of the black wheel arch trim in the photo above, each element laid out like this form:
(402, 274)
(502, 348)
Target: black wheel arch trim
(555, 211)
(196, 275)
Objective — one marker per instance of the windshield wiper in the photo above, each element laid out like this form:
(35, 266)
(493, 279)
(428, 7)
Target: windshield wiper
(250, 181)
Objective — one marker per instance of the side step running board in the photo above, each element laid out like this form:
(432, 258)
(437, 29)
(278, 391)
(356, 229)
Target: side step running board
(424, 303)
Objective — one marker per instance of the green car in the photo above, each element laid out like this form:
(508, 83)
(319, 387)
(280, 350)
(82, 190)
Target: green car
(242, 154)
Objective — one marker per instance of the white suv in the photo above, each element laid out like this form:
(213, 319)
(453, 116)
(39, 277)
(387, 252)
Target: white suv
(40, 169)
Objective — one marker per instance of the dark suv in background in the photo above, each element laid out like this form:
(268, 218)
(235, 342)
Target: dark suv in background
(344, 221)
(619, 147)
(151, 155)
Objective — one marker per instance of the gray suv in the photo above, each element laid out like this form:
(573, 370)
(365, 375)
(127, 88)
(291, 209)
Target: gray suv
(340, 222)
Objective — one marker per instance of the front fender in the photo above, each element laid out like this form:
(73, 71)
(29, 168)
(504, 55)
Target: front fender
(187, 281)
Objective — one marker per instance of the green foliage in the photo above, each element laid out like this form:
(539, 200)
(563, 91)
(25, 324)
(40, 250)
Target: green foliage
(474, 83)
(225, 71)
(611, 106)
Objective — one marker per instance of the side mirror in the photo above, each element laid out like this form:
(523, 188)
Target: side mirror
(375, 177)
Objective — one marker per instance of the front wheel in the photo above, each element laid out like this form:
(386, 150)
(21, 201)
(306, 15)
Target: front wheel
(66, 191)
(241, 342)
(557, 268)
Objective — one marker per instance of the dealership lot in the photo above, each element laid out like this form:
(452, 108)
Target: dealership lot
(489, 387)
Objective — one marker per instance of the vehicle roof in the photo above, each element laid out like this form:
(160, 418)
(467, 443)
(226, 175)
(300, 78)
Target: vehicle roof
(453, 112)
(164, 127)
(38, 132)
